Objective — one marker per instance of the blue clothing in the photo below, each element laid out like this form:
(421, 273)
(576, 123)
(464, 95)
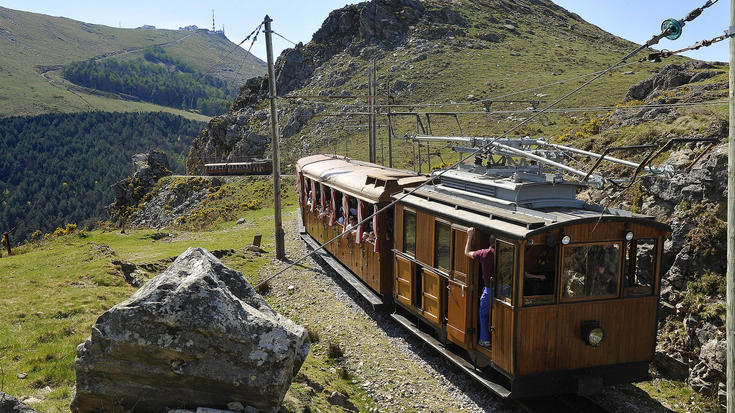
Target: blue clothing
(485, 314)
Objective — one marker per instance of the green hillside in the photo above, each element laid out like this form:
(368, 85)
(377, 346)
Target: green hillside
(35, 47)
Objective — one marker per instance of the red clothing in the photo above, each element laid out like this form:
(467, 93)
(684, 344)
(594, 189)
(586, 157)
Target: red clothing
(487, 262)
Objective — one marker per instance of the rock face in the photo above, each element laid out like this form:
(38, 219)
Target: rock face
(9, 404)
(148, 169)
(197, 335)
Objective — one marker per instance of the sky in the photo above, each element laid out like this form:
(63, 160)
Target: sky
(297, 20)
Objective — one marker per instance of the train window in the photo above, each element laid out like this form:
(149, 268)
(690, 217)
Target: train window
(539, 270)
(443, 243)
(409, 232)
(504, 255)
(590, 271)
(640, 256)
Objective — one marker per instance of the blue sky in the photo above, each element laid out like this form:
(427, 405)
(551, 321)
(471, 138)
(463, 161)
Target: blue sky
(298, 20)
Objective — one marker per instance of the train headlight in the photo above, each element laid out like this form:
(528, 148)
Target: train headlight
(629, 235)
(592, 333)
(566, 239)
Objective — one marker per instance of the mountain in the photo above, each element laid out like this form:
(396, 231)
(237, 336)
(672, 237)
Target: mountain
(450, 55)
(36, 47)
(484, 69)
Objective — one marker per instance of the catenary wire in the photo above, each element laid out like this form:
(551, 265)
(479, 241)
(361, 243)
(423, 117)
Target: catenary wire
(483, 148)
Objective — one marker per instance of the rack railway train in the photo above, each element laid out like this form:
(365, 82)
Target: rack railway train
(255, 167)
(591, 321)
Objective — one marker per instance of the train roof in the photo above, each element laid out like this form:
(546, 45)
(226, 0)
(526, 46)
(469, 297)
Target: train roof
(521, 205)
(363, 180)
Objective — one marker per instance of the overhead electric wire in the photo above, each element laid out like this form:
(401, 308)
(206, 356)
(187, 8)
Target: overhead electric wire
(153, 117)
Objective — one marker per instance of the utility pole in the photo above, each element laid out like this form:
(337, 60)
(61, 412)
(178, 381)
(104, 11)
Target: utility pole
(371, 121)
(730, 321)
(280, 248)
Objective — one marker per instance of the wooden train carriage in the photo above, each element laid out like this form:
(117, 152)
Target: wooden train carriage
(333, 188)
(256, 167)
(579, 329)
(260, 167)
(215, 169)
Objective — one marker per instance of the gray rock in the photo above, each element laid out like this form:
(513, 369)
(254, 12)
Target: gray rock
(235, 406)
(10, 404)
(338, 399)
(195, 335)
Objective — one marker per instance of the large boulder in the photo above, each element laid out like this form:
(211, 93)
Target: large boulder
(197, 335)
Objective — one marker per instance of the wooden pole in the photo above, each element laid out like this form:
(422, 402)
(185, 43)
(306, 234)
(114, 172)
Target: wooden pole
(730, 319)
(371, 120)
(280, 248)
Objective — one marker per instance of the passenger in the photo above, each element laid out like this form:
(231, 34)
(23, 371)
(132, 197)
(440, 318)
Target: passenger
(530, 276)
(487, 262)
(323, 211)
(350, 227)
(341, 220)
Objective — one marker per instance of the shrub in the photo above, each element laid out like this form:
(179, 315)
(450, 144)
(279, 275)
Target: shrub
(334, 351)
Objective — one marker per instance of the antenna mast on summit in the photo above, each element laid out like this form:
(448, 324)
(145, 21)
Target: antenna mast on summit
(213, 26)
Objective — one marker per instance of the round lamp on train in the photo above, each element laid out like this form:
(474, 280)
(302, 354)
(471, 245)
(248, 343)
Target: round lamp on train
(566, 239)
(629, 235)
(592, 333)
(550, 241)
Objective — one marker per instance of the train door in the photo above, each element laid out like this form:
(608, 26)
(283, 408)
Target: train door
(433, 283)
(459, 291)
(405, 270)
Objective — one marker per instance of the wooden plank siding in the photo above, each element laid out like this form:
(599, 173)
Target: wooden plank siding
(502, 336)
(550, 337)
(433, 286)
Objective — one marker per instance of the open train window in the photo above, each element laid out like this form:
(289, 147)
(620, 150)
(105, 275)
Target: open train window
(539, 274)
(504, 255)
(590, 271)
(640, 256)
(443, 246)
(409, 232)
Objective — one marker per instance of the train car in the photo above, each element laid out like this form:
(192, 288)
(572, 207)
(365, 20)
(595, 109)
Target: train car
(215, 169)
(575, 291)
(255, 167)
(332, 190)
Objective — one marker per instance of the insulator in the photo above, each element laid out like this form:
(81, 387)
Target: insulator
(672, 27)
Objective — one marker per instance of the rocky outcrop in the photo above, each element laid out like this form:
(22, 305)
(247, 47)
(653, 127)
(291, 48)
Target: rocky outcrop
(176, 198)
(228, 138)
(147, 170)
(195, 335)
(671, 77)
(10, 404)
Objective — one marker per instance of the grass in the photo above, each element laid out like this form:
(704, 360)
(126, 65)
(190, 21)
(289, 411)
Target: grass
(679, 397)
(55, 289)
(30, 83)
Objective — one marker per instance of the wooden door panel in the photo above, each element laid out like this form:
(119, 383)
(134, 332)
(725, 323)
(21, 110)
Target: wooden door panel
(457, 320)
(431, 296)
(404, 276)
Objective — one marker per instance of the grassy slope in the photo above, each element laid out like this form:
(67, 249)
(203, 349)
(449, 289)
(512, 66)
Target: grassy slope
(35, 46)
(54, 291)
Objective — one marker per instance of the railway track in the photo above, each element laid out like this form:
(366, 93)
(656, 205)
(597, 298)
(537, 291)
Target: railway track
(564, 403)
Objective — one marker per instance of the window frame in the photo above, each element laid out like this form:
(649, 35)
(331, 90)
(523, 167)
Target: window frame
(563, 269)
(406, 213)
(499, 256)
(448, 226)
